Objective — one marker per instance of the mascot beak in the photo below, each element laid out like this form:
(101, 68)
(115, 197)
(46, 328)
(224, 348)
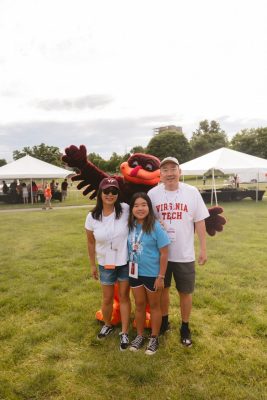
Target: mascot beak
(134, 172)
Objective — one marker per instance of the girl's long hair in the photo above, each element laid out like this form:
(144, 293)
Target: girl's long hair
(150, 219)
(97, 211)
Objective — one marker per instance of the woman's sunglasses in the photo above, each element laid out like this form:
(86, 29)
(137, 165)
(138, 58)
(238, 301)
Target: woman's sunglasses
(111, 190)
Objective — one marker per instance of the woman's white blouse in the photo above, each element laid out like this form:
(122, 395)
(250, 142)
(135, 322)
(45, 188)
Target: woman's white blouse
(110, 230)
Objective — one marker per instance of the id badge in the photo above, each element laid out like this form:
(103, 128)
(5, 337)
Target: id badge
(110, 259)
(133, 269)
(171, 231)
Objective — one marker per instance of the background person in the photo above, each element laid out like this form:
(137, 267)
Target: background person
(64, 188)
(48, 197)
(148, 249)
(236, 181)
(25, 193)
(5, 188)
(181, 209)
(34, 192)
(13, 186)
(53, 186)
(107, 230)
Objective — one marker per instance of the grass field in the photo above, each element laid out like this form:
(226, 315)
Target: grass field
(48, 330)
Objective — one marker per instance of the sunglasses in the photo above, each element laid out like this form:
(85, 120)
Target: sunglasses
(111, 190)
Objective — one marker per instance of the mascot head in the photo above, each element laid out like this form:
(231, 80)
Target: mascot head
(141, 169)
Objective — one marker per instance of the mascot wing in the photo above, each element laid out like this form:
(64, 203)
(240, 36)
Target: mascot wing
(139, 174)
(214, 223)
(90, 176)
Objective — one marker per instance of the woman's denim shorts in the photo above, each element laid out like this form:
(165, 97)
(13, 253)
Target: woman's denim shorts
(110, 276)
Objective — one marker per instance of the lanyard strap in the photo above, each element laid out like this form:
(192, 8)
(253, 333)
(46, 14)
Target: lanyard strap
(110, 231)
(135, 242)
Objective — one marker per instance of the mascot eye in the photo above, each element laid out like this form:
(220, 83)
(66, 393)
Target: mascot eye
(149, 167)
(134, 163)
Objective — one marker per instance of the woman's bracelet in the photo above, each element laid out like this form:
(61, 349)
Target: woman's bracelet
(161, 276)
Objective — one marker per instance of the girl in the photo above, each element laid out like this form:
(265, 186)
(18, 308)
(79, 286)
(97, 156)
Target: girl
(107, 231)
(148, 253)
(48, 197)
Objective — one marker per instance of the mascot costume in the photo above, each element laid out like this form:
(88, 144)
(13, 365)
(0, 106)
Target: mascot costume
(140, 173)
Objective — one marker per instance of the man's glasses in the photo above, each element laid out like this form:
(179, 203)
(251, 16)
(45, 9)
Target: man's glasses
(111, 190)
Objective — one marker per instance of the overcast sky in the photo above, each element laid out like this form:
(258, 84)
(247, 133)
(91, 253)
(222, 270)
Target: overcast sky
(105, 73)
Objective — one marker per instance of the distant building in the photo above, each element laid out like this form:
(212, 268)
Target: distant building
(172, 128)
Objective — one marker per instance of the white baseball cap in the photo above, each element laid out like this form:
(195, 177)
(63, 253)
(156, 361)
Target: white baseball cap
(169, 160)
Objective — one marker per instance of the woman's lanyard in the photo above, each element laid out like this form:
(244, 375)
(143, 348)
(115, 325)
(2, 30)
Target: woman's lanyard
(135, 244)
(110, 232)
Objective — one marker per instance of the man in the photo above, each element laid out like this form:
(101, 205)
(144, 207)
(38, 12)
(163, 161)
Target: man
(64, 188)
(5, 188)
(182, 210)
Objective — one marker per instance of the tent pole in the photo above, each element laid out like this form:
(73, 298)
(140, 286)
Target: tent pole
(257, 187)
(31, 192)
(214, 186)
(211, 199)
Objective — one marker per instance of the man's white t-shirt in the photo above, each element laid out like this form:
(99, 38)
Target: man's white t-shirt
(110, 232)
(179, 210)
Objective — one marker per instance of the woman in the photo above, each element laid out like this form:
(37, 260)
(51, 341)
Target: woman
(107, 230)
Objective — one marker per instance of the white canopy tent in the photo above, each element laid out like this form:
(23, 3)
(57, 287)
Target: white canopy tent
(226, 160)
(31, 168)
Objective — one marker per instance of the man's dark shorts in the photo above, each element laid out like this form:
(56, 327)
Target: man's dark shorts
(184, 276)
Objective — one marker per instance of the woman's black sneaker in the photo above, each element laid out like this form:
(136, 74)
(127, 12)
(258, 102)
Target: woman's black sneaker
(105, 331)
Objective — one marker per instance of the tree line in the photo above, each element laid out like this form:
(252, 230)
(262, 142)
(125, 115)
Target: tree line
(207, 137)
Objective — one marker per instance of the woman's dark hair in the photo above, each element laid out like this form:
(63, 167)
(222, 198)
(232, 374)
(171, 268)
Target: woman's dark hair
(97, 211)
(150, 219)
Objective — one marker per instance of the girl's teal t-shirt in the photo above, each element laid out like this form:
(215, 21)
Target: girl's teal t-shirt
(148, 256)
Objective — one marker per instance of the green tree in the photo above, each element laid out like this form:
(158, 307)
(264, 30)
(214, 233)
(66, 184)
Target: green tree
(208, 137)
(125, 157)
(98, 161)
(138, 149)
(114, 163)
(168, 143)
(2, 162)
(251, 141)
(49, 154)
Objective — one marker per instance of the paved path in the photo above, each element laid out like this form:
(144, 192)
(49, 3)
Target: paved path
(16, 210)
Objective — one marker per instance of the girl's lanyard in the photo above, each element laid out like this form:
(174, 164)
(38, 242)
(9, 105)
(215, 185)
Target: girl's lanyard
(135, 244)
